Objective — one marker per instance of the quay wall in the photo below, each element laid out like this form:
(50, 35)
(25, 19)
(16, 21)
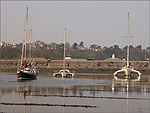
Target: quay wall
(76, 65)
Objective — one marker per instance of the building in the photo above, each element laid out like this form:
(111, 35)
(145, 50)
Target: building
(113, 59)
(68, 57)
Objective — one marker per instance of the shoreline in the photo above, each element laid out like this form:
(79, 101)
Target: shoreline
(104, 71)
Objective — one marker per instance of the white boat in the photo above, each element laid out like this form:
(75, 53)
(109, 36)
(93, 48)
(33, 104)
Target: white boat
(63, 72)
(128, 69)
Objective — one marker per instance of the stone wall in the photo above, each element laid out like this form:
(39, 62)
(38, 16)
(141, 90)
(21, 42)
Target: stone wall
(98, 65)
(77, 65)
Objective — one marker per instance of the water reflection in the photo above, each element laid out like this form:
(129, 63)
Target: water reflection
(83, 90)
(130, 84)
(22, 97)
(117, 85)
(124, 81)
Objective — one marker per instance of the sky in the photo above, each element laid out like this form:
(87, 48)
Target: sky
(103, 23)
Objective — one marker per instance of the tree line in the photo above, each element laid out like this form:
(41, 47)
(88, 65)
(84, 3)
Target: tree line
(76, 51)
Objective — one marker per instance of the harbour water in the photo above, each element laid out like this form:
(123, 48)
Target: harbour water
(85, 93)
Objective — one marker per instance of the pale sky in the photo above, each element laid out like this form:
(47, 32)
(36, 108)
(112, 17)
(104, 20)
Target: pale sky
(93, 22)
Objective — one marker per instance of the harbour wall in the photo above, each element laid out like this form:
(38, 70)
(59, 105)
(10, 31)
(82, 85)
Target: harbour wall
(76, 65)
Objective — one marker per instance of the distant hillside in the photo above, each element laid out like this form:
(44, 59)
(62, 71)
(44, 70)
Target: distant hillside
(76, 51)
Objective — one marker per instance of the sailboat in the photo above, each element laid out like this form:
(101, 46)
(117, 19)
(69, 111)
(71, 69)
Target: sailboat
(64, 72)
(127, 69)
(27, 72)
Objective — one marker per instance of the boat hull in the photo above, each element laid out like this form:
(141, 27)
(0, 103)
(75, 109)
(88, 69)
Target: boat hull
(63, 75)
(25, 75)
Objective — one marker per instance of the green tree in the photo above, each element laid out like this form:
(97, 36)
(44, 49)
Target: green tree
(139, 47)
(75, 46)
(116, 47)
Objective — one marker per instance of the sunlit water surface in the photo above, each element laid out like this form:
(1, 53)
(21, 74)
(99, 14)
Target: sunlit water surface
(104, 92)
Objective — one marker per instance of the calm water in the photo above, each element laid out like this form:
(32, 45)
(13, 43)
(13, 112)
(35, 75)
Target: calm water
(101, 90)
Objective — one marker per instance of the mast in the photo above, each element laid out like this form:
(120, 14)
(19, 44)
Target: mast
(26, 34)
(22, 50)
(30, 44)
(128, 43)
(24, 38)
(64, 48)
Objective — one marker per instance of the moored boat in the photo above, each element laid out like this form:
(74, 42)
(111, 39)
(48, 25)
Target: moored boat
(128, 69)
(27, 72)
(64, 72)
